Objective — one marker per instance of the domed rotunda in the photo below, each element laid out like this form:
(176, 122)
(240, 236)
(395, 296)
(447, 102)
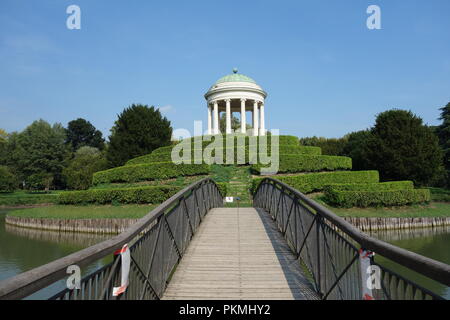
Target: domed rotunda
(236, 93)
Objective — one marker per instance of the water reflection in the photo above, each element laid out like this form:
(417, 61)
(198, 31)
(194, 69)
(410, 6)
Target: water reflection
(23, 249)
(430, 242)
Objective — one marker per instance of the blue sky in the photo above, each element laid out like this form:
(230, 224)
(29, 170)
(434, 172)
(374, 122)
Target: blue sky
(326, 74)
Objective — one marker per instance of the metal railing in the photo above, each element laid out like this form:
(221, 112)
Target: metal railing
(157, 243)
(328, 248)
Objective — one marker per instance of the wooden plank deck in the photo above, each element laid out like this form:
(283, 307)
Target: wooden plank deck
(238, 255)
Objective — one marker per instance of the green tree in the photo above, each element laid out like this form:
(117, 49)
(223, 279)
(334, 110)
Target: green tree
(38, 154)
(87, 160)
(443, 132)
(138, 130)
(235, 123)
(401, 147)
(8, 181)
(356, 148)
(329, 146)
(82, 133)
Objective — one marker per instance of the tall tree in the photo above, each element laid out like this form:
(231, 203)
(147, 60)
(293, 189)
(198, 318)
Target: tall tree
(38, 154)
(443, 132)
(235, 123)
(139, 130)
(401, 147)
(356, 148)
(81, 168)
(82, 133)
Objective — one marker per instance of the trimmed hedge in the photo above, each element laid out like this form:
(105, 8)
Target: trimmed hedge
(385, 198)
(307, 163)
(150, 171)
(150, 194)
(382, 186)
(167, 155)
(223, 188)
(307, 183)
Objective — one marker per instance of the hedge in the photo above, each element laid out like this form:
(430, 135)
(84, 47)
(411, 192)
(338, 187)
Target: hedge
(310, 182)
(150, 171)
(383, 186)
(167, 155)
(223, 188)
(308, 163)
(385, 198)
(282, 141)
(150, 194)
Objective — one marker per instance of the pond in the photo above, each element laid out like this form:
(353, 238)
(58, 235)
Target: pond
(430, 242)
(23, 249)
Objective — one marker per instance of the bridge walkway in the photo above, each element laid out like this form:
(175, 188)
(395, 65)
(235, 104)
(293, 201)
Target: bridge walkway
(238, 254)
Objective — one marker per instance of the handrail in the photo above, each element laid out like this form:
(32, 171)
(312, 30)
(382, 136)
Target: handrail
(431, 268)
(33, 280)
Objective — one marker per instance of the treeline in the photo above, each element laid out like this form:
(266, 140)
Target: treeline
(48, 156)
(399, 145)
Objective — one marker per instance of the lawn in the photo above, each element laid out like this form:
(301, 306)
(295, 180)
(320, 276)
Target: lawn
(434, 209)
(84, 212)
(26, 198)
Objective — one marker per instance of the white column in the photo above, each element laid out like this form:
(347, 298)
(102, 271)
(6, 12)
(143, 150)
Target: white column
(209, 119)
(262, 124)
(243, 120)
(228, 116)
(255, 118)
(216, 117)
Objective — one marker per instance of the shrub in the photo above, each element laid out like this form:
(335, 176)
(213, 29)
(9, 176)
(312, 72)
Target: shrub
(8, 181)
(151, 171)
(223, 188)
(384, 198)
(165, 154)
(79, 172)
(20, 198)
(383, 186)
(308, 163)
(150, 194)
(307, 183)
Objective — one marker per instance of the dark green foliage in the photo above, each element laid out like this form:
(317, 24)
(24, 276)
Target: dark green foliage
(8, 181)
(138, 130)
(440, 194)
(151, 194)
(82, 133)
(81, 168)
(308, 183)
(150, 171)
(38, 154)
(329, 146)
(443, 132)
(235, 123)
(307, 163)
(385, 198)
(402, 148)
(382, 186)
(356, 148)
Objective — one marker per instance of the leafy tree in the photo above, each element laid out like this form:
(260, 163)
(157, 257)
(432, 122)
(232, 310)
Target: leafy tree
(356, 148)
(81, 168)
(138, 130)
(3, 136)
(82, 133)
(235, 123)
(443, 132)
(401, 147)
(8, 181)
(329, 146)
(38, 154)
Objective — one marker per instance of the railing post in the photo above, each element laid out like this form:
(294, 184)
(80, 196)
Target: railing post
(319, 270)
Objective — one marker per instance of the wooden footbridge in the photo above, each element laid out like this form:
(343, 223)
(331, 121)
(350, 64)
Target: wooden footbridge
(285, 247)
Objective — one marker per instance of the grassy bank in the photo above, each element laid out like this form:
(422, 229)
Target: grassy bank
(84, 212)
(19, 198)
(434, 209)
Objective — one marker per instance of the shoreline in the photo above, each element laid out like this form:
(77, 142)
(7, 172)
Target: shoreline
(98, 226)
(118, 225)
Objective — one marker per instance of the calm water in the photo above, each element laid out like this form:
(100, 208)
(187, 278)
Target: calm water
(429, 242)
(24, 249)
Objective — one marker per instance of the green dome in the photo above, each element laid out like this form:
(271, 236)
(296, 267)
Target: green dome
(235, 77)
